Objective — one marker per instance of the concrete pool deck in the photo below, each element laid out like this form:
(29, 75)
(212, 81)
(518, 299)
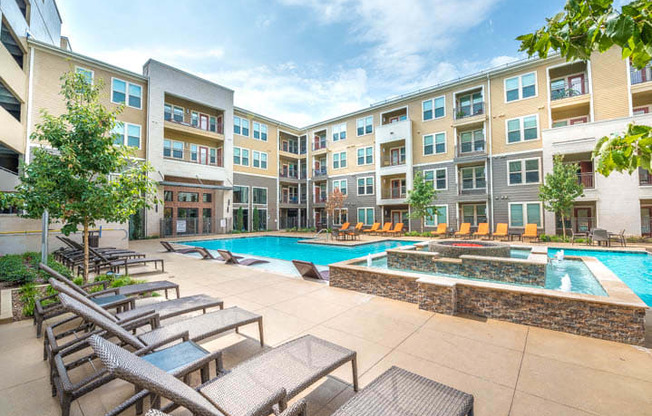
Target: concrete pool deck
(510, 369)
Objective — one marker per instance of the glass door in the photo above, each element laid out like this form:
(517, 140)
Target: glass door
(583, 220)
(203, 155)
(203, 121)
(576, 84)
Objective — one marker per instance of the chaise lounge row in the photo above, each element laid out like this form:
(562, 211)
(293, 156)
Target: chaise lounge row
(502, 232)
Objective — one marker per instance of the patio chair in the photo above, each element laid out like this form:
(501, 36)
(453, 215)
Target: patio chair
(501, 231)
(465, 230)
(171, 249)
(103, 262)
(345, 226)
(164, 310)
(189, 330)
(336, 234)
(600, 236)
(373, 228)
(442, 230)
(258, 386)
(359, 226)
(309, 270)
(118, 297)
(353, 234)
(483, 230)
(531, 232)
(576, 235)
(618, 237)
(229, 258)
(75, 254)
(386, 227)
(398, 229)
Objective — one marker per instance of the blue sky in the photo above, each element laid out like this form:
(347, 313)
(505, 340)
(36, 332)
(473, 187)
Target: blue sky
(302, 61)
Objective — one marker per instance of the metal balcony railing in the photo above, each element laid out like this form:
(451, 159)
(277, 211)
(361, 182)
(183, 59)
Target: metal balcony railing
(319, 172)
(320, 199)
(290, 148)
(639, 76)
(478, 189)
(219, 127)
(290, 200)
(586, 179)
(319, 145)
(292, 174)
(471, 148)
(474, 109)
(569, 89)
(389, 161)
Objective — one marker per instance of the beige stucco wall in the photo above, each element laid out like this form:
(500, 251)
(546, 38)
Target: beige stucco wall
(270, 146)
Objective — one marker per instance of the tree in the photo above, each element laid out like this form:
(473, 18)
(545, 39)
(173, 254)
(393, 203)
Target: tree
(560, 189)
(239, 220)
(256, 220)
(86, 177)
(334, 202)
(586, 26)
(420, 199)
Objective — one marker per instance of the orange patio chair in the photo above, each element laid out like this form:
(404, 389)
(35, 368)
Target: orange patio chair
(442, 229)
(501, 231)
(373, 228)
(483, 230)
(465, 230)
(530, 232)
(398, 229)
(358, 226)
(386, 228)
(345, 226)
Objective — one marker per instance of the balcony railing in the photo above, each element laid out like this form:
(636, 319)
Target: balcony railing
(219, 127)
(475, 109)
(639, 76)
(290, 200)
(569, 89)
(319, 145)
(394, 194)
(467, 190)
(389, 161)
(289, 174)
(471, 148)
(320, 199)
(291, 148)
(586, 179)
(319, 172)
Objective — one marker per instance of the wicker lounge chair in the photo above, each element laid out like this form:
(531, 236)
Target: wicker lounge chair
(256, 387)
(107, 297)
(309, 270)
(483, 230)
(373, 228)
(103, 262)
(192, 329)
(465, 230)
(229, 258)
(501, 231)
(530, 232)
(442, 230)
(163, 310)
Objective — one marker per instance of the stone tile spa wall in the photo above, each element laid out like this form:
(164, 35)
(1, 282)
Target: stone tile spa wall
(477, 267)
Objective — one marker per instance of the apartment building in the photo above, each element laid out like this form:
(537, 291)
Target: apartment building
(484, 142)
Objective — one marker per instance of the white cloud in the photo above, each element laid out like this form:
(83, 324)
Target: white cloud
(133, 59)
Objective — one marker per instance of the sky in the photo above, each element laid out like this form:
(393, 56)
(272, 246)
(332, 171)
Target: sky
(304, 61)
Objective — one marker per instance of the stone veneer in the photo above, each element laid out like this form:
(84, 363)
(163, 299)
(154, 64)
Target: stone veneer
(599, 317)
(447, 248)
(477, 267)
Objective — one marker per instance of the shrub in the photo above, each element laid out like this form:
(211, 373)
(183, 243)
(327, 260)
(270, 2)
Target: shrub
(28, 295)
(14, 270)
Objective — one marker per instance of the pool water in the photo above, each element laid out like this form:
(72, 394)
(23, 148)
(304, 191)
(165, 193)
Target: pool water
(635, 269)
(582, 280)
(289, 248)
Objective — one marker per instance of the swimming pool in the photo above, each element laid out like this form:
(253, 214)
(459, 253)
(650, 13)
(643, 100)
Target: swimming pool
(289, 248)
(635, 269)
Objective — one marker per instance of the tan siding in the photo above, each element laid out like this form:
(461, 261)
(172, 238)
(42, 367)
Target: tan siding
(270, 147)
(610, 93)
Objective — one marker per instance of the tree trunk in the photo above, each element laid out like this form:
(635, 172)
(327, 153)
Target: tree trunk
(563, 225)
(85, 275)
(422, 220)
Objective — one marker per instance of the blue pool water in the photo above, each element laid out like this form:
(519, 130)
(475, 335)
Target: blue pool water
(635, 269)
(289, 248)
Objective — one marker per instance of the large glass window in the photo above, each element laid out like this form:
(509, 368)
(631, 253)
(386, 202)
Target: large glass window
(341, 185)
(438, 215)
(473, 177)
(366, 216)
(521, 213)
(434, 143)
(339, 160)
(522, 128)
(472, 141)
(366, 185)
(524, 171)
(436, 178)
(177, 150)
(517, 88)
(260, 131)
(364, 125)
(86, 73)
(123, 92)
(167, 112)
(240, 194)
(133, 135)
(177, 114)
(365, 155)
(188, 196)
(434, 108)
(474, 213)
(259, 195)
(193, 152)
(135, 95)
(119, 92)
(339, 132)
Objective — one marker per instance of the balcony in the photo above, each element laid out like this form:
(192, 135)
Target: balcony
(196, 131)
(317, 173)
(476, 109)
(289, 200)
(586, 179)
(289, 174)
(471, 149)
(562, 89)
(320, 199)
(470, 190)
(319, 144)
(640, 76)
(401, 130)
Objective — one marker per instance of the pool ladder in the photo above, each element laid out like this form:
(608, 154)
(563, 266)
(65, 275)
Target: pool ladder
(316, 236)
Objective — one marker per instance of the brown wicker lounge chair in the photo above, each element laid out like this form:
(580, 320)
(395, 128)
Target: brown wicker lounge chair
(258, 386)
(229, 258)
(309, 270)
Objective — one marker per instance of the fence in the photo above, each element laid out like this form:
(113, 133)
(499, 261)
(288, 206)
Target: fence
(173, 227)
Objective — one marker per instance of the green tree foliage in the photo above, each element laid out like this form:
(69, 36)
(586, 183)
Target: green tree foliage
(256, 220)
(239, 220)
(85, 177)
(586, 26)
(421, 198)
(560, 189)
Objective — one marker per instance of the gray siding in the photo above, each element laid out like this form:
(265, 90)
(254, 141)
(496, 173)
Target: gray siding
(251, 181)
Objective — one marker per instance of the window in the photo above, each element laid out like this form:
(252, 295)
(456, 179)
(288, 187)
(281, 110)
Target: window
(207, 198)
(434, 108)
(167, 148)
(341, 185)
(130, 131)
(472, 141)
(86, 73)
(168, 196)
(524, 171)
(340, 216)
(260, 131)
(259, 159)
(366, 185)
(213, 156)
(437, 178)
(119, 91)
(473, 178)
(259, 195)
(240, 194)
(133, 135)
(188, 196)
(522, 128)
(339, 132)
(177, 114)
(365, 125)
(177, 150)
(339, 160)
(212, 126)
(518, 88)
(438, 215)
(135, 95)
(167, 112)
(241, 126)
(367, 216)
(474, 213)
(194, 119)
(521, 213)
(434, 143)
(9, 102)
(240, 156)
(193, 152)
(365, 155)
